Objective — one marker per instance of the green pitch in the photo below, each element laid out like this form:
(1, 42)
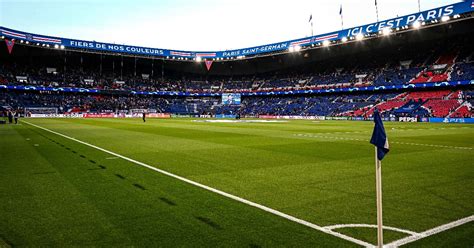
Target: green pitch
(55, 191)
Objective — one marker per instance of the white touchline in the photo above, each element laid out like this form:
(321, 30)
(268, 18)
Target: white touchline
(391, 142)
(430, 232)
(236, 198)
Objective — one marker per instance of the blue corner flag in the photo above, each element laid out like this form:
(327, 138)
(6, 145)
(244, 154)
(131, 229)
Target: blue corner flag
(379, 138)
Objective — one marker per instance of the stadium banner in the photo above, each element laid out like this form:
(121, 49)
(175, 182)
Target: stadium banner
(267, 116)
(10, 44)
(181, 116)
(398, 22)
(362, 89)
(225, 116)
(140, 115)
(99, 115)
(66, 115)
(158, 115)
(292, 117)
(407, 119)
(338, 118)
(428, 85)
(407, 20)
(451, 120)
(53, 89)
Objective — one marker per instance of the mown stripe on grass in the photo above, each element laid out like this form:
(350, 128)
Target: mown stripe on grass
(139, 186)
(119, 176)
(222, 193)
(167, 201)
(209, 222)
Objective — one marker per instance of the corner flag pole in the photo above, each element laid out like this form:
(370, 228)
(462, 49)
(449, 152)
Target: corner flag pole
(377, 10)
(342, 17)
(378, 182)
(380, 140)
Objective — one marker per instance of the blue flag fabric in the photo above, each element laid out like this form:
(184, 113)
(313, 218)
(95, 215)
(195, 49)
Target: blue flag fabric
(379, 138)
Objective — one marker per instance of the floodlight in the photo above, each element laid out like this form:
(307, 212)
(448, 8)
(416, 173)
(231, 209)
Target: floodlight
(344, 39)
(62, 47)
(359, 36)
(56, 46)
(198, 59)
(416, 25)
(386, 31)
(325, 43)
(445, 18)
(297, 48)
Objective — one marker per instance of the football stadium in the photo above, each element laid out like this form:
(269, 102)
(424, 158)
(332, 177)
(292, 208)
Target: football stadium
(359, 137)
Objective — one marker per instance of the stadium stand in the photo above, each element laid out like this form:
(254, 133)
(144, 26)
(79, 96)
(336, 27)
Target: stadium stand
(406, 60)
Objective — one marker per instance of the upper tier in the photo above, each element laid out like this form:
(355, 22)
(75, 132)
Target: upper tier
(398, 24)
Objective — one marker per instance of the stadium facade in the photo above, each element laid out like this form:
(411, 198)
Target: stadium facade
(417, 67)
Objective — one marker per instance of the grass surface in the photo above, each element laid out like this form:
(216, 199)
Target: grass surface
(58, 192)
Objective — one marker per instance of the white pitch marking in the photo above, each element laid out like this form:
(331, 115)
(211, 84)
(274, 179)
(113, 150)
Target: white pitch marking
(430, 232)
(425, 129)
(371, 226)
(393, 142)
(222, 193)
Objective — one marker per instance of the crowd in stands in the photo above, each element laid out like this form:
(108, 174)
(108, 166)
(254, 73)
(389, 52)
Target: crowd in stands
(445, 60)
(342, 78)
(437, 61)
(444, 103)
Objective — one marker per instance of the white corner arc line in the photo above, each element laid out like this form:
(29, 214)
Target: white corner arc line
(222, 193)
(371, 226)
(392, 142)
(431, 232)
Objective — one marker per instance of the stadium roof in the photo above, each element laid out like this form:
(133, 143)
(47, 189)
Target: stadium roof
(399, 24)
